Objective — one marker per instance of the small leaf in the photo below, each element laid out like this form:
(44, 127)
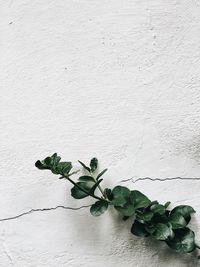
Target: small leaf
(56, 159)
(95, 186)
(150, 229)
(99, 208)
(48, 160)
(53, 163)
(62, 168)
(77, 193)
(101, 173)
(167, 204)
(183, 241)
(125, 218)
(86, 179)
(162, 231)
(160, 218)
(158, 208)
(145, 217)
(84, 166)
(40, 165)
(177, 220)
(93, 164)
(185, 211)
(138, 229)
(108, 193)
(139, 200)
(127, 210)
(120, 195)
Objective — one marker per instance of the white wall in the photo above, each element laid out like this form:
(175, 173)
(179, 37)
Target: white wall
(118, 80)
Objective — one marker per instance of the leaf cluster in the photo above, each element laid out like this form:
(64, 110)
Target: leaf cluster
(150, 218)
(54, 164)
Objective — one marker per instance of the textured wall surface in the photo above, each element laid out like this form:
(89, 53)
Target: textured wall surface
(118, 80)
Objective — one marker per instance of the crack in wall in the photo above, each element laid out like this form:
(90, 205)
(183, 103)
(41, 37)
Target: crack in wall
(41, 210)
(134, 180)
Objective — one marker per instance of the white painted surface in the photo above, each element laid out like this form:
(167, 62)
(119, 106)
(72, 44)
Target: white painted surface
(114, 79)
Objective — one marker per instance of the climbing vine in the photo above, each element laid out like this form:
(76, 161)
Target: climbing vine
(150, 218)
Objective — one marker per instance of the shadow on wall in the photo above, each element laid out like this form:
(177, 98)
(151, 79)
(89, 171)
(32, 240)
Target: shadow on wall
(153, 249)
(110, 235)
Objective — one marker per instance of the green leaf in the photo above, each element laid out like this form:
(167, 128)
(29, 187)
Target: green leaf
(77, 193)
(99, 208)
(95, 186)
(160, 218)
(139, 200)
(138, 229)
(158, 208)
(162, 231)
(127, 210)
(150, 229)
(86, 179)
(145, 217)
(177, 220)
(62, 168)
(101, 173)
(40, 165)
(84, 166)
(54, 165)
(185, 211)
(108, 193)
(183, 241)
(49, 160)
(120, 195)
(93, 164)
(167, 204)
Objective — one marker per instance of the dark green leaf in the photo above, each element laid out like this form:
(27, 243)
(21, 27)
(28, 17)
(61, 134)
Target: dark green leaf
(62, 168)
(84, 166)
(49, 160)
(101, 173)
(138, 229)
(98, 208)
(158, 208)
(185, 211)
(153, 202)
(93, 164)
(167, 204)
(127, 210)
(162, 231)
(86, 179)
(53, 163)
(160, 218)
(146, 216)
(95, 186)
(125, 218)
(120, 195)
(150, 229)
(77, 193)
(183, 241)
(108, 193)
(139, 200)
(40, 165)
(177, 220)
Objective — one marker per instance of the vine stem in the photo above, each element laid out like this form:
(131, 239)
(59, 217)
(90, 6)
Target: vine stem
(75, 184)
(99, 187)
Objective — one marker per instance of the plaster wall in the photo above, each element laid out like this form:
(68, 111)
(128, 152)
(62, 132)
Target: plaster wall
(115, 79)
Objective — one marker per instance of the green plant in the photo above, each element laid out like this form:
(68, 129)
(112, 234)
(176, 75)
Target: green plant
(150, 218)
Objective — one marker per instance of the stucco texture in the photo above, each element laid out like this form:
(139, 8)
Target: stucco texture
(118, 80)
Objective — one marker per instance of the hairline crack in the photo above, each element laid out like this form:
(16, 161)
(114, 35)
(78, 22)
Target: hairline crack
(41, 210)
(135, 180)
